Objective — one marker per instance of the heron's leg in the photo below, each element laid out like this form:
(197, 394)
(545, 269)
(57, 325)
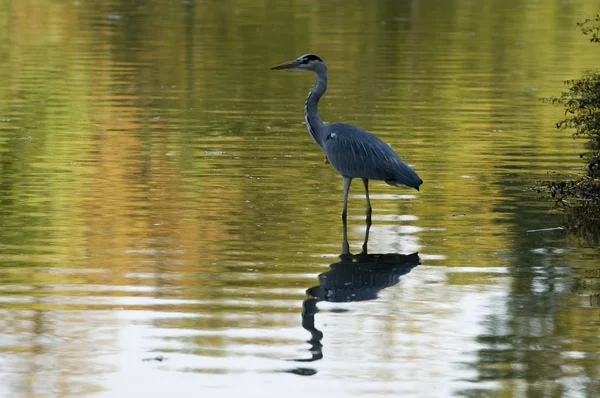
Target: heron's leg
(364, 247)
(347, 182)
(345, 245)
(366, 183)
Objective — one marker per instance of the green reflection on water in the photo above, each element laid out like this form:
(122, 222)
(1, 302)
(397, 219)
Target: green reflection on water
(151, 166)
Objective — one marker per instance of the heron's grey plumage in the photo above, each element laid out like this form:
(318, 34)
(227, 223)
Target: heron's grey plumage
(356, 153)
(352, 151)
(316, 128)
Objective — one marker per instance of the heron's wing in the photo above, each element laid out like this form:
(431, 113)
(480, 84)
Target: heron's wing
(356, 153)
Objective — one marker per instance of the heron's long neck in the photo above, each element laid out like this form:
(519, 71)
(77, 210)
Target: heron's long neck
(313, 121)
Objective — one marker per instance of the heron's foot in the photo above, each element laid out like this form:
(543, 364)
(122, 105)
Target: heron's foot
(326, 160)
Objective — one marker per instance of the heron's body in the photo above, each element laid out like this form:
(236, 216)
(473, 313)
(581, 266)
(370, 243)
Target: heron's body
(352, 151)
(356, 153)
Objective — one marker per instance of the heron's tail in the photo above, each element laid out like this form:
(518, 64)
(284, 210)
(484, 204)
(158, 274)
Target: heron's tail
(405, 176)
(395, 183)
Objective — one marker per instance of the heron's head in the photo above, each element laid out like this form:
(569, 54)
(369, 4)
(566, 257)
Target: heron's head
(306, 62)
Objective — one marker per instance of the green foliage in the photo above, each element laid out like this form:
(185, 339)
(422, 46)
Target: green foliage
(582, 114)
(582, 103)
(585, 189)
(582, 106)
(582, 110)
(591, 27)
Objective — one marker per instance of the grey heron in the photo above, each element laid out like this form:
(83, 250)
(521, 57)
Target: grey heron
(352, 151)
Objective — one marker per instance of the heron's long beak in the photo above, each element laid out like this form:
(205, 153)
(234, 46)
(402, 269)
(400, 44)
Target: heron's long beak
(287, 65)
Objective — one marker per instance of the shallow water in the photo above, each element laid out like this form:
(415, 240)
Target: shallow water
(165, 215)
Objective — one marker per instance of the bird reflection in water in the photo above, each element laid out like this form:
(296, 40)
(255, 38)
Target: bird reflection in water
(357, 277)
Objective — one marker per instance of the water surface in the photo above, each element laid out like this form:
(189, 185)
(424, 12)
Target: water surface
(166, 216)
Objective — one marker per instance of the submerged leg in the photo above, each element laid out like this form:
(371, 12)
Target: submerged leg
(347, 182)
(366, 183)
